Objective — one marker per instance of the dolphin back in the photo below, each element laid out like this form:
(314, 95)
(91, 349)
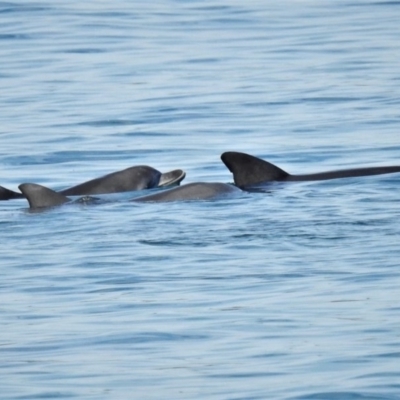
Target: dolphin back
(133, 178)
(7, 194)
(191, 191)
(248, 170)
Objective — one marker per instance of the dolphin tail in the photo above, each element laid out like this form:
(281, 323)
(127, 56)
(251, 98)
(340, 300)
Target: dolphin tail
(40, 196)
(170, 178)
(7, 194)
(248, 170)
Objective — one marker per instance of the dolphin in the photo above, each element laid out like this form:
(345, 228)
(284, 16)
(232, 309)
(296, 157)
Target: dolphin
(190, 191)
(7, 194)
(250, 171)
(39, 196)
(134, 178)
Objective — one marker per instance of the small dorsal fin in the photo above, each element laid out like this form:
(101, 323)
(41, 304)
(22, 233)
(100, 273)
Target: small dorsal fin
(40, 196)
(248, 170)
(170, 178)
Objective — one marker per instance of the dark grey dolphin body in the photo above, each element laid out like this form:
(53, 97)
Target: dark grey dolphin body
(191, 191)
(134, 178)
(250, 171)
(7, 194)
(39, 196)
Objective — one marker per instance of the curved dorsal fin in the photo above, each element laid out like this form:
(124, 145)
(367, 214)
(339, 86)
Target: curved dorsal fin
(41, 196)
(170, 178)
(248, 170)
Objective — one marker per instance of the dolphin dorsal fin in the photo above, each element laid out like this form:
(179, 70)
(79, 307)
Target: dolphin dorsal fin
(248, 170)
(41, 196)
(170, 178)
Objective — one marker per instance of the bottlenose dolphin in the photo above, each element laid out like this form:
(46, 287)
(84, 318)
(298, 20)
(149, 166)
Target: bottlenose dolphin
(190, 191)
(7, 194)
(39, 196)
(250, 171)
(134, 178)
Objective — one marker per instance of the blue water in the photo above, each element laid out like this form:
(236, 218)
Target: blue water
(291, 294)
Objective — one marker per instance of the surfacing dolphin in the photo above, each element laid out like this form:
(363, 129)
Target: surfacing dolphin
(250, 171)
(134, 178)
(39, 196)
(7, 194)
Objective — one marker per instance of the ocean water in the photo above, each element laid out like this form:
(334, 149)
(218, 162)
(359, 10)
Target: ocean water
(288, 294)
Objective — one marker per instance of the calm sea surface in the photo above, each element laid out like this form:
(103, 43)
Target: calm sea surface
(290, 294)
